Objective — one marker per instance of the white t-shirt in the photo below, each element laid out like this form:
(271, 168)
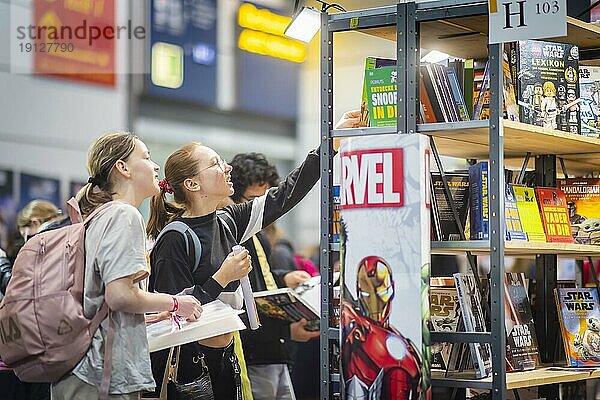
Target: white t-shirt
(115, 247)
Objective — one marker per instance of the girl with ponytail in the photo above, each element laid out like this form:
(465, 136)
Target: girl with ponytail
(200, 180)
(122, 174)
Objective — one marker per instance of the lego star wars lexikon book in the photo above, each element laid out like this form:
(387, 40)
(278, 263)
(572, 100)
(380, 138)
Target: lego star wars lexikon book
(547, 79)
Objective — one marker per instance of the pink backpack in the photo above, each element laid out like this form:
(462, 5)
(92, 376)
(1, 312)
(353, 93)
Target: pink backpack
(43, 331)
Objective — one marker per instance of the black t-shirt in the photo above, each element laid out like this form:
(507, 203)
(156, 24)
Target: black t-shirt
(219, 231)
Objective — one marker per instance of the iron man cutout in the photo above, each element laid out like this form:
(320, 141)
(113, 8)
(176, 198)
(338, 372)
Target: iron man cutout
(379, 363)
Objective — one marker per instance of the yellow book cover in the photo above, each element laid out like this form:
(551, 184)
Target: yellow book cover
(583, 203)
(529, 213)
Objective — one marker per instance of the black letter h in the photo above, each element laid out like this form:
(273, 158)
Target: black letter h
(508, 14)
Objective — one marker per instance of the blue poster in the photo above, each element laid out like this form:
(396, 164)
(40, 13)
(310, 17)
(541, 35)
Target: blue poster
(183, 56)
(39, 188)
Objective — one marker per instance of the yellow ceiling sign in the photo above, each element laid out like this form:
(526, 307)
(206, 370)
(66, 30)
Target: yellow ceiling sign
(262, 20)
(271, 45)
(264, 34)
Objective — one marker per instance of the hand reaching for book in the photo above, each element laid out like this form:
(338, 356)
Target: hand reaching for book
(350, 119)
(298, 332)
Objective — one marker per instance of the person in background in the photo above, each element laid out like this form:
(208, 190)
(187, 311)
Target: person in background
(266, 350)
(122, 172)
(38, 216)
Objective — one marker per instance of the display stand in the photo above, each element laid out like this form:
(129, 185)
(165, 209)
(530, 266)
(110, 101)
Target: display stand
(459, 28)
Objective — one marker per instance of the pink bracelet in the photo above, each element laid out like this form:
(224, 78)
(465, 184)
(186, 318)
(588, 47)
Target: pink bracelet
(175, 304)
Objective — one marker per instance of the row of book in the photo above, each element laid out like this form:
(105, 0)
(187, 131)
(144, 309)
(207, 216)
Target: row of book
(569, 213)
(456, 305)
(543, 85)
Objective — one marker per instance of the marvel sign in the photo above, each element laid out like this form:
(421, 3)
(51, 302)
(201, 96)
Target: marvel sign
(372, 178)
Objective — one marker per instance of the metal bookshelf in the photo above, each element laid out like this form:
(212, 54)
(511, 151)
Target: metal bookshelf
(459, 27)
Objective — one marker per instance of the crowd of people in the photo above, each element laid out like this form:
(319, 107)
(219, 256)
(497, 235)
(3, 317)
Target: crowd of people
(223, 204)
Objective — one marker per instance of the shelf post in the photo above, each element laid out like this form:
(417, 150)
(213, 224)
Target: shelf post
(326, 169)
(546, 321)
(401, 62)
(496, 217)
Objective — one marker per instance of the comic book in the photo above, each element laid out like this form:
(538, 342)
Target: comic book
(521, 342)
(547, 84)
(555, 217)
(529, 213)
(472, 317)
(583, 204)
(589, 85)
(293, 304)
(444, 310)
(579, 318)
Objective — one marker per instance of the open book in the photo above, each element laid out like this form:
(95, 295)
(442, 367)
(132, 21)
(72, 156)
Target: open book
(292, 305)
(217, 318)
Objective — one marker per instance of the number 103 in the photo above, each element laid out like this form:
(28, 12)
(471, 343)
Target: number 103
(547, 7)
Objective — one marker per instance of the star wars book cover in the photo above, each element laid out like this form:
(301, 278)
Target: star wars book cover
(583, 204)
(589, 87)
(547, 77)
(579, 318)
(445, 311)
(521, 342)
(384, 254)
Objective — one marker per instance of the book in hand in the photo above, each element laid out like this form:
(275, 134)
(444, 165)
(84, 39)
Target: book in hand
(555, 217)
(217, 318)
(579, 318)
(293, 304)
(521, 342)
(583, 204)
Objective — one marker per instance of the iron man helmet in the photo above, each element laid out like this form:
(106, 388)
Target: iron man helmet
(375, 288)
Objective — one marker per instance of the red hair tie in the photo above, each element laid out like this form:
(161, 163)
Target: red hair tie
(164, 185)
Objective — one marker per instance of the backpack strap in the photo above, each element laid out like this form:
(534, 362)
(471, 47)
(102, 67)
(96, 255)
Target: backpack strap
(184, 229)
(74, 211)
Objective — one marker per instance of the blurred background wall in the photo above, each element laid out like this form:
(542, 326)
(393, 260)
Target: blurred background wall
(208, 89)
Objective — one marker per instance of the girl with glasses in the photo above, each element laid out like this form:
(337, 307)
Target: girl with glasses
(199, 181)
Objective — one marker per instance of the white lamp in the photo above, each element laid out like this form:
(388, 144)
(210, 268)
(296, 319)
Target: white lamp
(304, 25)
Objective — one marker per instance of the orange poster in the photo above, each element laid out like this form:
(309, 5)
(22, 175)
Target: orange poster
(75, 39)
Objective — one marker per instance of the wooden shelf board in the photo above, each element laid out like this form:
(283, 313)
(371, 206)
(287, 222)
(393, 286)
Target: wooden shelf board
(581, 153)
(537, 377)
(517, 249)
(466, 37)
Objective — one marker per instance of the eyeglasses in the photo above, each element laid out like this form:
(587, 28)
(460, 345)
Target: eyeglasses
(222, 164)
